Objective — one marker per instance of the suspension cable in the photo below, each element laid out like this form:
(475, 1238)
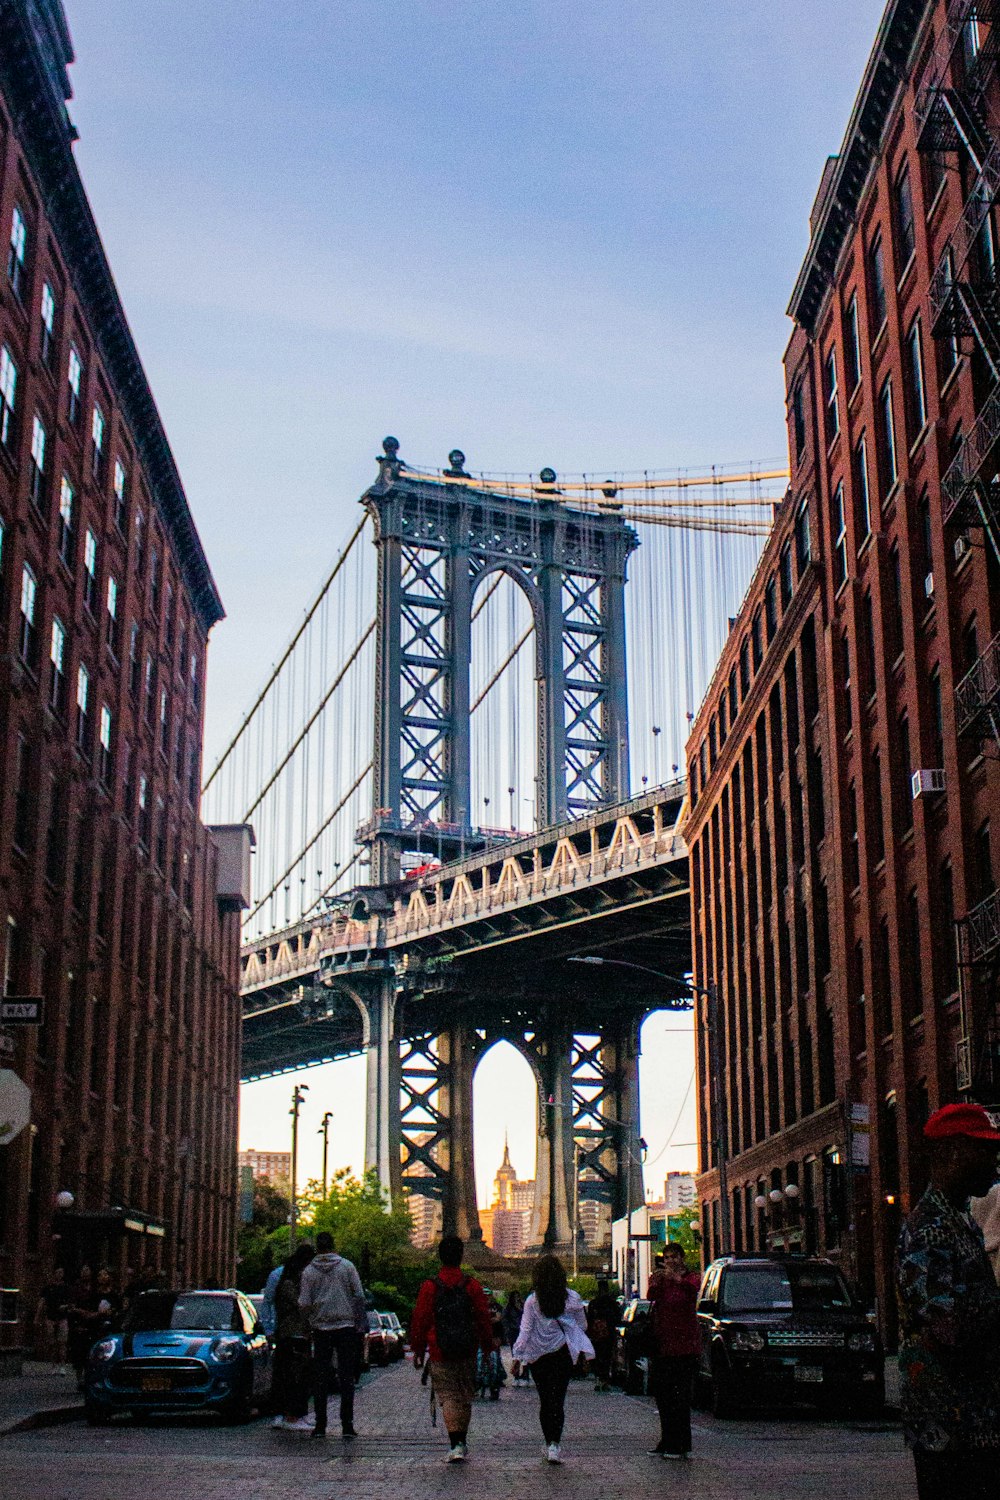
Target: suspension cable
(314, 840)
(288, 651)
(501, 669)
(310, 722)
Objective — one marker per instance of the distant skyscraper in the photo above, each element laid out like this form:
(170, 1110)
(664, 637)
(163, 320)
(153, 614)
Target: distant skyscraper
(507, 1223)
(274, 1167)
(679, 1191)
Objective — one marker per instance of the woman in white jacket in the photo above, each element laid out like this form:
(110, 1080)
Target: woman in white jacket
(553, 1338)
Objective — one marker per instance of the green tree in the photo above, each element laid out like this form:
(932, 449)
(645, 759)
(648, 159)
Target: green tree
(684, 1228)
(367, 1231)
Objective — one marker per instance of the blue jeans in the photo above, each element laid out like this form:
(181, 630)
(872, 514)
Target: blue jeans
(344, 1343)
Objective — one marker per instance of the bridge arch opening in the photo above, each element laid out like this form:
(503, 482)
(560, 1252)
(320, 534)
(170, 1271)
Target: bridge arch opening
(505, 1142)
(503, 788)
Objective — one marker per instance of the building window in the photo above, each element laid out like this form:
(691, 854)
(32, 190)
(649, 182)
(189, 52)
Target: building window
(106, 765)
(853, 843)
(984, 883)
(894, 622)
(154, 580)
(164, 723)
(744, 669)
(48, 338)
(830, 392)
(195, 682)
(36, 481)
(905, 231)
(876, 287)
(937, 719)
(845, 669)
(57, 659)
(23, 803)
(193, 778)
(169, 616)
(17, 254)
(916, 390)
(839, 536)
(862, 493)
(111, 626)
(133, 660)
(144, 812)
(74, 380)
(798, 420)
(867, 647)
(8, 396)
(803, 547)
(82, 708)
(755, 641)
(161, 835)
(97, 427)
(904, 775)
(771, 608)
(150, 689)
(140, 538)
(29, 600)
(90, 570)
(67, 530)
(887, 447)
(121, 497)
(179, 751)
(913, 998)
(947, 937)
(852, 345)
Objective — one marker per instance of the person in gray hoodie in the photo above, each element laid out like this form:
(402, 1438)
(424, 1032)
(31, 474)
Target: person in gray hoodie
(333, 1300)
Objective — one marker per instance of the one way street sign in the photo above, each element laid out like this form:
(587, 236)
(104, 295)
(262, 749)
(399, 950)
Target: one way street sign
(21, 1010)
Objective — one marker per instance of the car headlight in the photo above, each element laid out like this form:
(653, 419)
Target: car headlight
(747, 1339)
(226, 1350)
(858, 1341)
(105, 1350)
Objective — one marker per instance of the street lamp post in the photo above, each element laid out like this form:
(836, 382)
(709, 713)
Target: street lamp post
(324, 1131)
(711, 995)
(298, 1092)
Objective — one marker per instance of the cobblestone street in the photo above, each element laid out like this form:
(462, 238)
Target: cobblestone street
(400, 1455)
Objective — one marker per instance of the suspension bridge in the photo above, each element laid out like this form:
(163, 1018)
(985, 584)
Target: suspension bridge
(461, 780)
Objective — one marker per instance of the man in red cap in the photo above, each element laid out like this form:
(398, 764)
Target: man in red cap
(949, 1310)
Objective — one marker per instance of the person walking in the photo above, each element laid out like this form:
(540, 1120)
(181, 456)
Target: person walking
(676, 1343)
(552, 1339)
(451, 1322)
(333, 1300)
(291, 1345)
(52, 1318)
(267, 1311)
(949, 1312)
(603, 1312)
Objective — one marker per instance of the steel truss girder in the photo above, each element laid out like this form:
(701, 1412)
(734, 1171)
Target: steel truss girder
(435, 543)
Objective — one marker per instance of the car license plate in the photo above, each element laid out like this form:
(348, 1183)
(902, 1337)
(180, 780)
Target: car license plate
(157, 1383)
(809, 1374)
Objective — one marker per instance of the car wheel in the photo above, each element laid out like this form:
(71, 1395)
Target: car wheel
(96, 1415)
(724, 1401)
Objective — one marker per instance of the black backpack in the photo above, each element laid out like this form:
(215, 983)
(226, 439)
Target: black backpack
(454, 1320)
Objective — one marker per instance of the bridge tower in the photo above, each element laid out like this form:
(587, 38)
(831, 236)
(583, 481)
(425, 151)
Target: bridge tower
(438, 540)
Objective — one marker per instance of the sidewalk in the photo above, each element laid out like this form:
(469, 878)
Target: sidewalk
(43, 1396)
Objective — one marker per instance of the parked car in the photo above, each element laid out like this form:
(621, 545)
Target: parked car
(181, 1351)
(395, 1339)
(786, 1330)
(377, 1341)
(630, 1355)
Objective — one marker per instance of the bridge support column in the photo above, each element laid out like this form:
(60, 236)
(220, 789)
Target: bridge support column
(551, 1225)
(622, 1059)
(383, 1127)
(460, 1215)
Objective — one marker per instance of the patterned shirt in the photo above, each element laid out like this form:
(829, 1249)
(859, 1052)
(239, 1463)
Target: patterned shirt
(949, 1311)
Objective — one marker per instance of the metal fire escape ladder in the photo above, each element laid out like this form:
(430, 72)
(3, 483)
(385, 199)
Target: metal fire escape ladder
(965, 295)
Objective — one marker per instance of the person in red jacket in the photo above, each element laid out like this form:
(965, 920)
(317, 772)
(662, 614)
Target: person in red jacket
(451, 1321)
(673, 1294)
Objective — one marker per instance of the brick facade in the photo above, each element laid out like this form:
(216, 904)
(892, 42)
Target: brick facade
(847, 911)
(108, 898)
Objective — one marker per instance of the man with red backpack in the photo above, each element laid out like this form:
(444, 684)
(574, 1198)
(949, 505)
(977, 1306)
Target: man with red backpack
(451, 1321)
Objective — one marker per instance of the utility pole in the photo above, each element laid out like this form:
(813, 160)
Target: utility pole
(298, 1091)
(324, 1131)
(576, 1209)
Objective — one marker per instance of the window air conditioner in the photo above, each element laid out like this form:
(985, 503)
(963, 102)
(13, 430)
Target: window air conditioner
(963, 1065)
(962, 546)
(927, 783)
(929, 585)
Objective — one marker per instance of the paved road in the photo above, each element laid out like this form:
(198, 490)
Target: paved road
(399, 1456)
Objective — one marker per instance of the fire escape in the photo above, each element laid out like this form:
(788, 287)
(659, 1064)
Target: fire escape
(954, 118)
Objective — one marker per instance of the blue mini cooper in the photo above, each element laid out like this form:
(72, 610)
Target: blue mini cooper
(181, 1351)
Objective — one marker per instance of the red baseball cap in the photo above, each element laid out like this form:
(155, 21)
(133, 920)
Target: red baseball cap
(969, 1120)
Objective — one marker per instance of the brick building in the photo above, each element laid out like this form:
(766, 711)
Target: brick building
(845, 781)
(117, 905)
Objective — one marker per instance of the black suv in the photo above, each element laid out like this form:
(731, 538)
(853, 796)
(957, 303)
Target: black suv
(783, 1331)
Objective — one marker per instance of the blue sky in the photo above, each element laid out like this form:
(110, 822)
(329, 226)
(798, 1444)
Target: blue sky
(548, 232)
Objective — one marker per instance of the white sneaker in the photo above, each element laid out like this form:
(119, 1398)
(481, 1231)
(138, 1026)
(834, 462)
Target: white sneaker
(278, 1422)
(301, 1424)
(457, 1454)
(554, 1453)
